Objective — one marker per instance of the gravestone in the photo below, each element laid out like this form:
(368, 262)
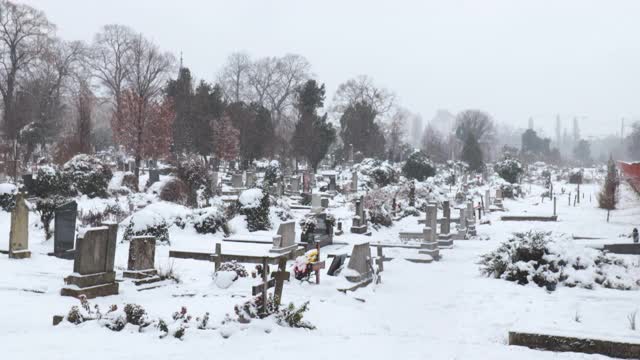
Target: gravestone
(285, 241)
(332, 183)
(306, 182)
(154, 176)
(132, 166)
(444, 238)
(93, 273)
(471, 213)
(487, 199)
(19, 233)
(64, 235)
(428, 245)
(360, 266)
(236, 181)
(141, 262)
(324, 202)
(295, 184)
(432, 220)
(27, 180)
(462, 226)
(350, 159)
(354, 181)
(316, 203)
(250, 179)
(336, 264)
(359, 221)
(322, 233)
(214, 182)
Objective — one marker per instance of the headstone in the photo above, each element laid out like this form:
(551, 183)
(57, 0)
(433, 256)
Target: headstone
(214, 182)
(432, 220)
(324, 202)
(154, 176)
(487, 199)
(306, 182)
(19, 233)
(428, 245)
(471, 213)
(336, 264)
(285, 241)
(332, 183)
(359, 221)
(350, 158)
(295, 184)
(236, 181)
(141, 263)
(444, 238)
(64, 235)
(354, 181)
(360, 266)
(250, 179)
(27, 180)
(94, 257)
(316, 203)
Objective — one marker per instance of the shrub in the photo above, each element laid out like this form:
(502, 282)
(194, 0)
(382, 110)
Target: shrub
(254, 204)
(129, 181)
(272, 174)
(576, 176)
(46, 207)
(234, 266)
(175, 191)
(88, 175)
(608, 196)
(147, 222)
(511, 191)
(196, 177)
(8, 197)
(418, 166)
(210, 220)
(381, 173)
(49, 181)
(509, 169)
(292, 316)
(536, 257)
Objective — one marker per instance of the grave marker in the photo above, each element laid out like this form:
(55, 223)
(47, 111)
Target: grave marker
(141, 262)
(360, 263)
(19, 233)
(64, 235)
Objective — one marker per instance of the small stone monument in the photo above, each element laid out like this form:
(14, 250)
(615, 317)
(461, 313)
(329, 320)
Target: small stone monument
(154, 176)
(250, 179)
(324, 202)
(285, 241)
(462, 226)
(19, 233)
(332, 183)
(432, 220)
(354, 181)
(236, 181)
(316, 203)
(359, 221)
(141, 263)
(444, 238)
(64, 235)
(306, 182)
(471, 213)
(93, 274)
(214, 182)
(428, 245)
(295, 184)
(359, 267)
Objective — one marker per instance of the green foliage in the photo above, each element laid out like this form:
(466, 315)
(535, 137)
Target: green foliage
(210, 221)
(608, 196)
(418, 167)
(258, 217)
(46, 207)
(358, 126)
(195, 175)
(509, 169)
(292, 316)
(175, 191)
(472, 154)
(88, 175)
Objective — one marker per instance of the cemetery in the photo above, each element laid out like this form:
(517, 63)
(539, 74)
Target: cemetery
(165, 195)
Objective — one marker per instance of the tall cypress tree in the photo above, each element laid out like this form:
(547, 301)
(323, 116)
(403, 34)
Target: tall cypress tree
(180, 91)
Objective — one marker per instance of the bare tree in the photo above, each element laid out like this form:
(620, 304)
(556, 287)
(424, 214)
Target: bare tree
(396, 133)
(291, 72)
(362, 89)
(149, 70)
(110, 58)
(434, 145)
(23, 34)
(475, 123)
(234, 77)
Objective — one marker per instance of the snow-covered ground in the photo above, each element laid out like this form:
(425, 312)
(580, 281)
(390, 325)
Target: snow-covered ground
(442, 310)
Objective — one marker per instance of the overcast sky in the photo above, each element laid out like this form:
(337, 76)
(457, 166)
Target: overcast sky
(513, 59)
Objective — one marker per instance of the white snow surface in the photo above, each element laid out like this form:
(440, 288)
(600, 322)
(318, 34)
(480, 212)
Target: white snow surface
(442, 310)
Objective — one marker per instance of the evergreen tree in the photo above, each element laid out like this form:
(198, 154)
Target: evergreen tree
(634, 142)
(256, 130)
(358, 127)
(608, 196)
(313, 134)
(582, 152)
(180, 91)
(472, 153)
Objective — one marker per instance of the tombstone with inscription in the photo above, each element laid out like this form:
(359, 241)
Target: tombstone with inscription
(64, 235)
(141, 262)
(93, 272)
(236, 181)
(19, 233)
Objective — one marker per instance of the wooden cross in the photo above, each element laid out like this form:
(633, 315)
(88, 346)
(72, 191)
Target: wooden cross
(277, 282)
(318, 265)
(280, 277)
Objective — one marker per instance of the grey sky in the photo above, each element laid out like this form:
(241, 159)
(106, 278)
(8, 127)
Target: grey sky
(514, 59)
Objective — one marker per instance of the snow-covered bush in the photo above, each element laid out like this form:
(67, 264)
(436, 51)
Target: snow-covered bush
(234, 266)
(8, 196)
(509, 169)
(292, 316)
(210, 220)
(511, 191)
(418, 166)
(289, 316)
(576, 176)
(380, 217)
(129, 181)
(539, 258)
(196, 177)
(46, 207)
(147, 222)
(272, 174)
(254, 204)
(49, 181)
(379, 173)
(175, 191)
(88, 175)
(282, 209)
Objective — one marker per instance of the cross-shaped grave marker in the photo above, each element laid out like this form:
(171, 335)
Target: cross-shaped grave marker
(318, 265)
(277, 282)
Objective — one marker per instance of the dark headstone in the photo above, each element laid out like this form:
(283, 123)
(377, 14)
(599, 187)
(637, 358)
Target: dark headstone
(154, 176)
(64, 235)
(27, 180)
(336, 264)
(142, 251)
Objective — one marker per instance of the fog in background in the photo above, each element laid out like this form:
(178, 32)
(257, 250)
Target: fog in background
(513, 59)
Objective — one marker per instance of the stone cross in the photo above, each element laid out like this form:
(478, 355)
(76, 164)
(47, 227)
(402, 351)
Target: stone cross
(19, 233)
(280, 277)
(64, 235)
